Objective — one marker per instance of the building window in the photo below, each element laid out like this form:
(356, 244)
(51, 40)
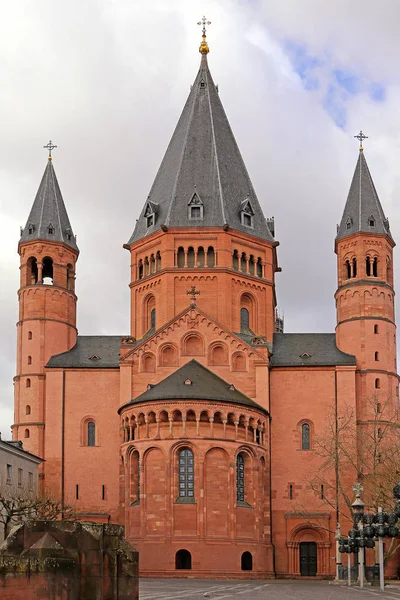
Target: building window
(77, 492)
(322, 493)
(305, 436)
(103, 492)
(28, 382)
(290, 492)
(377, 384)
(91, 433)
(150, 221)
(27, 434)
(50, 229)
(186, 474)
(153, 319)
(376, 330)
(29, 335)
(371, 221)
(29, 360)
(20, 475)
(244, 320)
(195, 212)
(30, 481)
(9, 474)
(247, 220)
(240, 491)
(27, 410)
(376, 356)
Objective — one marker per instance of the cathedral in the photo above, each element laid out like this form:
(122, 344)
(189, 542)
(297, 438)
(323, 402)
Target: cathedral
(194, 429)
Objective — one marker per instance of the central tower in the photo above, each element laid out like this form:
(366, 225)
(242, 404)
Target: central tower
(202, 225)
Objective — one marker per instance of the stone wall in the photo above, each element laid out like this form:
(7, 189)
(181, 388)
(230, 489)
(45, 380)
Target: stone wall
(65, 560)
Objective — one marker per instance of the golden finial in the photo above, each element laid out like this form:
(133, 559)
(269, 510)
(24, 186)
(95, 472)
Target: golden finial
(50, 146)
(204, 49)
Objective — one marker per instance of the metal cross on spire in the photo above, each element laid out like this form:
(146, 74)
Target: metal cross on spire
(50, 146)
(204, 22)
(361, 137)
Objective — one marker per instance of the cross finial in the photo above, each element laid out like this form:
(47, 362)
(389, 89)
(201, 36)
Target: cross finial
(361, 137)
(358, 489)
(193, 293)
(50, 146)
(204, 49)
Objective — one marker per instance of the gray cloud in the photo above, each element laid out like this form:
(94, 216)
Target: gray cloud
(106, 80)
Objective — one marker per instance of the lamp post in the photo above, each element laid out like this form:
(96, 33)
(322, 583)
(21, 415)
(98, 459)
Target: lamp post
(358, 513)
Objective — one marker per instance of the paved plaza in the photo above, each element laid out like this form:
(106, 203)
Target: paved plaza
(197, 589)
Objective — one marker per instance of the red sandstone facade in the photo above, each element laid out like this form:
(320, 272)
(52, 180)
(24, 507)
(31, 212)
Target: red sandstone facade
(117, 457)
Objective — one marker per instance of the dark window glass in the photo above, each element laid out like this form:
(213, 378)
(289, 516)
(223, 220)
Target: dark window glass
(305, 436)
(244, 320)
(153, 319)
(91, 433)
(240, 478)
(247, 220)
(195, 212)
(186, 473)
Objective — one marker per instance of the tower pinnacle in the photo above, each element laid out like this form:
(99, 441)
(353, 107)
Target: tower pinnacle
(204, 49)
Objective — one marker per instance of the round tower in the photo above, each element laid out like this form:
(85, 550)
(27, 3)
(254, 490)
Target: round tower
(47, 306)
(365, 295)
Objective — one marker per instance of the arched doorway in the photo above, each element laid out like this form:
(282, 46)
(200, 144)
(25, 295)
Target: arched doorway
(183, 559)
(308, 559)
(247, 561)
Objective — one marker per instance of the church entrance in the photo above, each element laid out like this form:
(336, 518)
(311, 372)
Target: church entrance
(308, 559)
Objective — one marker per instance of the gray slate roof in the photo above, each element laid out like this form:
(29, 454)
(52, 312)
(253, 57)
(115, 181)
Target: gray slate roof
(202, 157)
(288, 349)
(205, 385)
(362, 203)
(49, 209)
(105, 347)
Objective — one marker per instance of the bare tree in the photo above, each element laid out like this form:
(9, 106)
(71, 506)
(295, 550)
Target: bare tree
(20, 505)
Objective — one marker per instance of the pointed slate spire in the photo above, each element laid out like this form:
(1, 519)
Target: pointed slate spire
(48, 219)
(363, 211)
(202, 158)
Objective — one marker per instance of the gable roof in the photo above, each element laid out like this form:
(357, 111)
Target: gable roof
(203, 156)
(291, 350)
(48, 209)
(90, 352)
(362, 204)
(205, 385)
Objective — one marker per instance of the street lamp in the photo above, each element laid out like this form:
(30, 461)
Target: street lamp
(358, 512)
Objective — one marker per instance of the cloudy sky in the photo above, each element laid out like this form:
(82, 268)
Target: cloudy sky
(106, 81)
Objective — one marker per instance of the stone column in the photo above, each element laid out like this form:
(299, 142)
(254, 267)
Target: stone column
(158, 428)
(40, 272)
(211, 419)
(247, 264)
(170, 427)
(186, 257)
(240, 254)
(205, 257)
(195, 258)
(224, 421)
(183, 427)
(197, 425)
(263, 263)
(146, 420)
(236, 429)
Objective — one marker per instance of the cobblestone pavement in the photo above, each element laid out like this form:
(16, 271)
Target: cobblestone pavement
(199, 589)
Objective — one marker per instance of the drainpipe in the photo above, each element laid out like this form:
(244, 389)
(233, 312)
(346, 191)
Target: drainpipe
(63, 445)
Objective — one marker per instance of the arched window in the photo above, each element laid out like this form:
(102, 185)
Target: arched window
(32, 271)
(200, 257)
(91, 433)
(70, 278)
(259, 268)
(153, 318)
(375, 267)
(149, 363)
(149, 305)
(158, 260)
(240, 491)
(168, 356)
(251, 265)
(190, 257)
(29, 335)
(29, 360)
(183, 559)
(354, 267)
(27, 434)
(238, 362)
(376, 329)
(140, 269)
(193, 345)
(244, 320)
(235, 260)
(28, 382)
(305, 436)
(181, 257)
(47, 272)
(376, 356)
(210, 257)
(152, 264)
(218, 355)
(247, 561)
(377, 383)
(348, 269)
(368, 266)
(146, 266)
(28, 410)
(186, 474)
(243, 263)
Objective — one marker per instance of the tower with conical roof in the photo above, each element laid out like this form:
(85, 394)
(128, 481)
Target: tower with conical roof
(203, 225)
(365, 295)
(47, 305)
